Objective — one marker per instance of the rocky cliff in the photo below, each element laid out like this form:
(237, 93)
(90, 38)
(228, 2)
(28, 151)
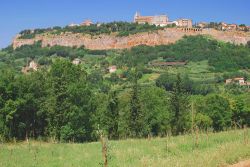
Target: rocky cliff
(104, 42)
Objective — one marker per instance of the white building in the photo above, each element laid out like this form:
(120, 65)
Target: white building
(112, 69)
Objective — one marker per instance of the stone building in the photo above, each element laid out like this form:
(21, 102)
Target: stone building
(159, 20)
(239, 80)
(76, 61)
(228, 27)
(33, 66)
(185, 23)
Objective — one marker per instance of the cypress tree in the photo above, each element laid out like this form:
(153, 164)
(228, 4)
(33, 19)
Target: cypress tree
(135, 109)
(179, 105)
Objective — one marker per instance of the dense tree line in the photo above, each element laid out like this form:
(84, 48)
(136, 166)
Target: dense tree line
(61, 103)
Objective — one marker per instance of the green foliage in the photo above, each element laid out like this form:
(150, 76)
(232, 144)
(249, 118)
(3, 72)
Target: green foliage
(240, 114)
(203, 121)
(180, 108)
(219, 110)
(167, 81)
(122, 28)
(155, 107)
(248, 44)
(22, 110)
(136, 115)
(70, 100)
(235, 89)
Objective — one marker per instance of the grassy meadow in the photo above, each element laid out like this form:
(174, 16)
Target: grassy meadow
(204, 149)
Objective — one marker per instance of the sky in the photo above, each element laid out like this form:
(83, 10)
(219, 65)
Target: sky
(17, 15)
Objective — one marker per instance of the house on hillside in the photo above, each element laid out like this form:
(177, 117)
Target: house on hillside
(32, 66)
(242, 28)
(76, 61)
(112, 69)
(228, 27)
(239, 80)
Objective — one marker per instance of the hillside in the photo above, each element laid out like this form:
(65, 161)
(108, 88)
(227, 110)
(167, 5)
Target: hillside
(221, 56)
(115, 40)
(70, 92)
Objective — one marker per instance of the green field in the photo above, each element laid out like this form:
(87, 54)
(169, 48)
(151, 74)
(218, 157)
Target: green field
(212, 150)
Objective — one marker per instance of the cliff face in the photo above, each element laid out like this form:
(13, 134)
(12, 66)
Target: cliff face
(104, 42)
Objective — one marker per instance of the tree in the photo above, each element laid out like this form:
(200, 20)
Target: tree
(167, 81)
(218, 109)
(112, 115)
(136, 121)
(155, 108)
(69, 102)
(77, 125)
(180, 108)
(106, 116)
(248, 44)
(203, 121)
(22, 110)
(240, 114)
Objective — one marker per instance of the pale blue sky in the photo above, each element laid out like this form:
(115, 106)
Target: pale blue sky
(16, 15)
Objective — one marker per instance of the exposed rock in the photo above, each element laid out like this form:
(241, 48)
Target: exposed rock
(104, 42)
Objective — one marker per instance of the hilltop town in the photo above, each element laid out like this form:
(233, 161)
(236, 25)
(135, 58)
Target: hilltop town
(163, 20)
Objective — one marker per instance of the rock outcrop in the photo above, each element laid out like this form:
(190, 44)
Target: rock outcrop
(105, 42)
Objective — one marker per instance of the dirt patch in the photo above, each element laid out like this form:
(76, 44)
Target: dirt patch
(241, 164)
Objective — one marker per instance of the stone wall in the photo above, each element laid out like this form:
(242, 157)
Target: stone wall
(104, 42)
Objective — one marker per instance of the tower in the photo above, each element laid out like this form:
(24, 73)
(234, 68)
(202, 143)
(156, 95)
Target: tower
(137, 15)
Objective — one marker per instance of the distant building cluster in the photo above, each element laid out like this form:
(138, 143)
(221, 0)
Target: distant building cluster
(161, 20)
(224, 26)
(234, 27)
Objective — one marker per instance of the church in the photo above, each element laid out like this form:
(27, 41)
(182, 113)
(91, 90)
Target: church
(159, 20)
